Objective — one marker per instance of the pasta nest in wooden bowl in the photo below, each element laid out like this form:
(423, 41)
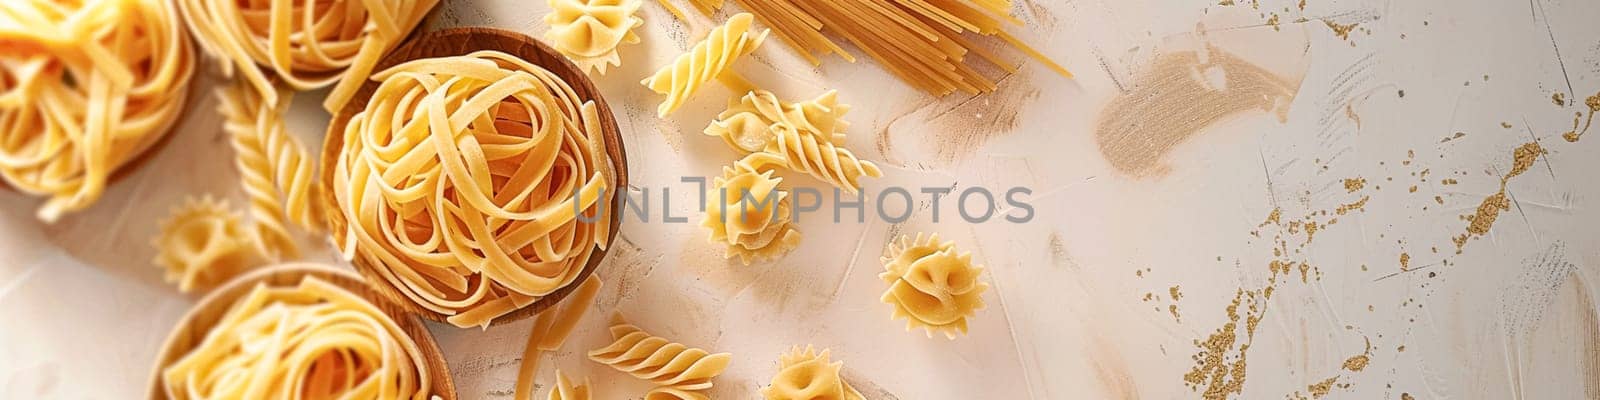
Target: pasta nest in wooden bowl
(299, 331)
(473, 178)
(87, 91)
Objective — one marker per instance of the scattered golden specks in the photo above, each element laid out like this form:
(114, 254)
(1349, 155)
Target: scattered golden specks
(1559, 98)
(1405, 261)
(1351, 185)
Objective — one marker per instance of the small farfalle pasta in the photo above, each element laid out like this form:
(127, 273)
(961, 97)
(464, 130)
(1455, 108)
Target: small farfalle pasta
(808, 136)
(313, 340)
(564, 389)
(589, 31)
(931, 285)
(808, 375)
(658, 360)
(707, 60)
(274, 168)
(306, 44)
(203, 244)
(462, 182)
(748, 213)
(85, 88)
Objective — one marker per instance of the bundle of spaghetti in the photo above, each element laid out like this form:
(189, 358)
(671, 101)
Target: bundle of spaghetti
(304, 43)
(314, 340)
(808, 136)
(274, 168)
(473, 185)
(85, 88)
(921, 41)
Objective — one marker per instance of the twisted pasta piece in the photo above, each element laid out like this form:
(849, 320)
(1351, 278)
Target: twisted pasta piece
(274, 168)
(675, 393)
(658, 360)
(202, 245)
(304, 43)
(565, 390)
(748, 213)
(931, 285)
(808, 135)
(312, 341)
(807, 375)
(462, 180)
(705, 61)
(85, 87)
(589, 31)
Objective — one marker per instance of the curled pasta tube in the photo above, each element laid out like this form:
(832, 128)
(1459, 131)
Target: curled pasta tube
(808, 136)
(707, 60)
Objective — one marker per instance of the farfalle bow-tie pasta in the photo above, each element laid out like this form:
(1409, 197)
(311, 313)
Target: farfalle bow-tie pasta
(808, 375)
(589, 31)
(462, 180)
(203, 244)
(85, 88)
(748, 213)
(931, 285)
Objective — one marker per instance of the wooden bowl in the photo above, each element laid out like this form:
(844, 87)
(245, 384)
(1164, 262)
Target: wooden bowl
(192, 329)
(457, 42)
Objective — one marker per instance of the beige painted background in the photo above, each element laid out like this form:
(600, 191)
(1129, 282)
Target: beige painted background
(1156, 176)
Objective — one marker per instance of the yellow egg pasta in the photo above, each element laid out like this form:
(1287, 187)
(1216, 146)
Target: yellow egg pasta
(565, 390)
(462, 182)
(274, 168)
(305, 44)
(707, 60)
(313, 340)
(748, 213)
(923, 42)
(203, 244)
(808, 375)
(931, 285)
(550, 331)
(675, 393)
(808, 136)
(589, 31)
(85, 88)
(658, 360)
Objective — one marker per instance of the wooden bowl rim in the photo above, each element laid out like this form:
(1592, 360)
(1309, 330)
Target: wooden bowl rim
(466, 40)
(225, 295)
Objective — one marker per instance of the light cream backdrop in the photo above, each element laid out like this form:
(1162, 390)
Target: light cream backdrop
(1155, 174)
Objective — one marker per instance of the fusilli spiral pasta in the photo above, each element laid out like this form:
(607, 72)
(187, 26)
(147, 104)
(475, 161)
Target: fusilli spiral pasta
(565, 390)
(313, 341)
(203, 244)
(807, 375)
(589, 31)
(747, 212)
(459, 180)
(659, 360)
(85, 88)
(675, 393)
(306, 44)
(931, 285)
(705, 61)
(808, 135)
(274, 168)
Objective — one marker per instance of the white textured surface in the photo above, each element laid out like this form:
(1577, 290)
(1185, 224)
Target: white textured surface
(82, 310)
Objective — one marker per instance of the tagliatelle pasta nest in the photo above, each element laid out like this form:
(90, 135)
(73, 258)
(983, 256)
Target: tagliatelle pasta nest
(203, 244)
(85, 88)
(313, 340)
(306, 44)
(931, 285)
(463, 181)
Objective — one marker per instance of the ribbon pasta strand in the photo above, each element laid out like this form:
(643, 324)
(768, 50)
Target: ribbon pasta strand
(311, 341)
(85, 87)
(463, 180)
(305, 44)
